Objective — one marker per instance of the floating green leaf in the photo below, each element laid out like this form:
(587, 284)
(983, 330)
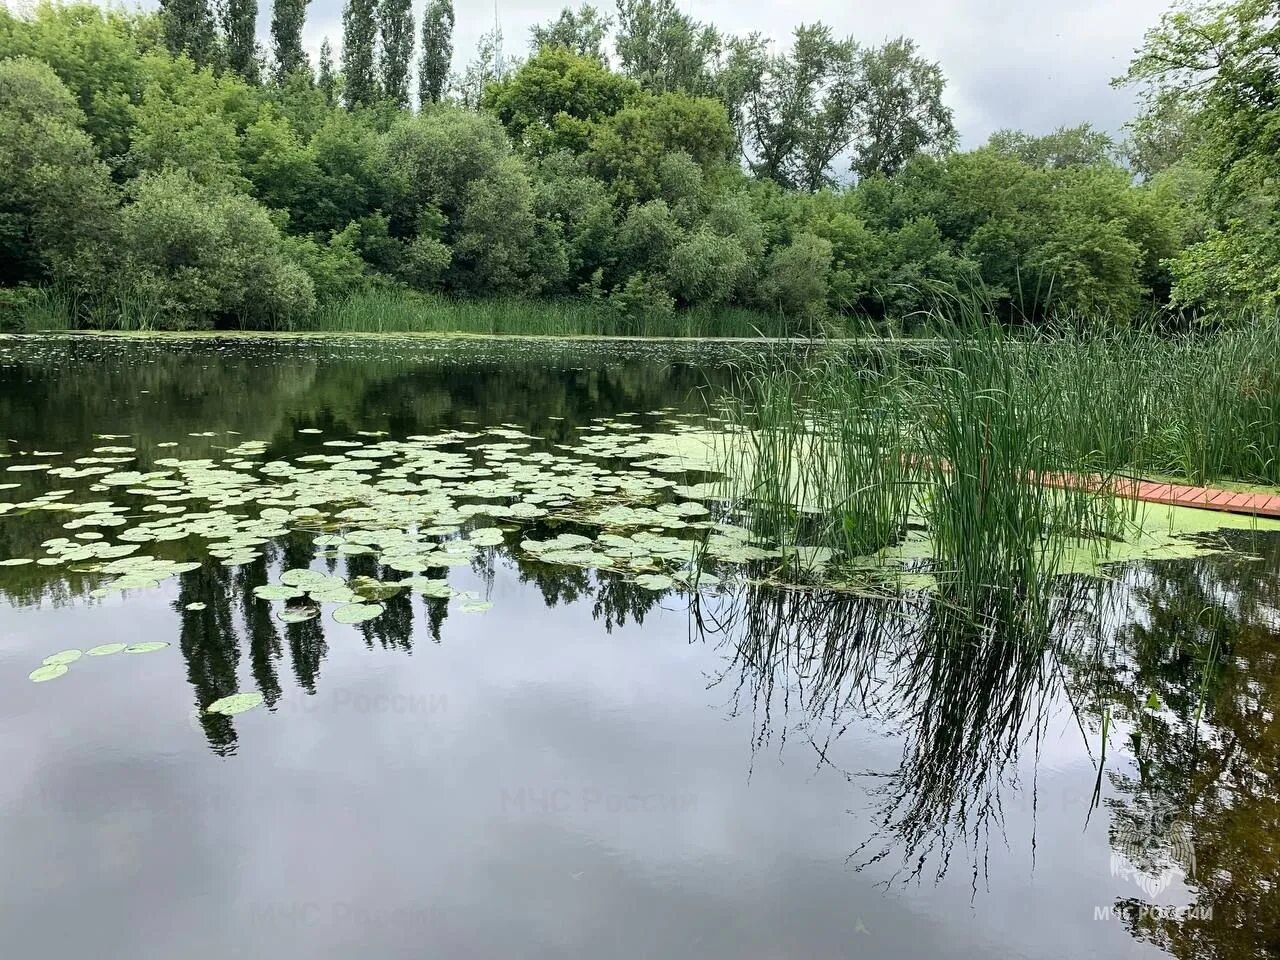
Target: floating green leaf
(236, 703)
(273, 591)
(104, 649)
(298, 614)
(62, 656)
(50, 671)
(357, 612)
(654, 581)
(146, 646)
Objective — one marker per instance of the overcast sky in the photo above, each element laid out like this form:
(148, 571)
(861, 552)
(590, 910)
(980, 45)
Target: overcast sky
(1028, 64)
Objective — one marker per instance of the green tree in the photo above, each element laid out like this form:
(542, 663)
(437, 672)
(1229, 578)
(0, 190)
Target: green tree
(580, 208)
(663, 49)
(57, 205)
(281, 168)
(796, 113)
(1080, 146)
(287, 19)
(900, 97)
(437, 51)
(495, 247)
(486, 68)
(1165, 134)
(348, 153)
(189, 29)
(190, 119)
(359, 40)
(327, 77)
(239, 30)
(101, 55)
(198, 256)
(395, 24)
(796, 278)
(1214, 71)
(627, 149)
(707, 268)
(580, 31)
(647, 238)
(431, 160)
(552, 102)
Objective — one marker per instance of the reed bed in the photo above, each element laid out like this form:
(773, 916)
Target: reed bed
(396, 311)
(974, 441)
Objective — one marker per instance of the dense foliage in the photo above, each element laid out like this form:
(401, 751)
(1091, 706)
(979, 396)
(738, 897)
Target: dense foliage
(157, 171)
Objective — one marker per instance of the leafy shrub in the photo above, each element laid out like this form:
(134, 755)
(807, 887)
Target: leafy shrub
(199, 257)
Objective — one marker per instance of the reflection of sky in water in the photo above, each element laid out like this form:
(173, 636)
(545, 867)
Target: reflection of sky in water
(533, 785)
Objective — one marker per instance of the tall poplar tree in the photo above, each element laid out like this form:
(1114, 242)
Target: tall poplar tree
(395, 23)
(188, 27)
(287, 18)
(239, 27)
(359, 52)
(327, 80)
(437, 50)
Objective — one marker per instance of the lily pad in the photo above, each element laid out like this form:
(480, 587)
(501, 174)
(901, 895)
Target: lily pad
(104, 649)
(272, 591)
(50, 671)
(62, 656)
(302, 577)
(146, 646)
(654, 581)
(357, 612)
(298, 614)
(236, 703)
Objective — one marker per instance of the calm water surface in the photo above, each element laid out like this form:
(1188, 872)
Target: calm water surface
(588, 769)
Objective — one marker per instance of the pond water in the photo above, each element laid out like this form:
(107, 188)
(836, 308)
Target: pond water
(517, 753)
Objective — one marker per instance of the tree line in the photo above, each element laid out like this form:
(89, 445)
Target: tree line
(169, 166)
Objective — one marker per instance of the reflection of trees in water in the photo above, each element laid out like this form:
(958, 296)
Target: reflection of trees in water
(614, 599)
(260, 626)
(1196, 680)
(210, 645)
(1181, 657)
(1200, 635)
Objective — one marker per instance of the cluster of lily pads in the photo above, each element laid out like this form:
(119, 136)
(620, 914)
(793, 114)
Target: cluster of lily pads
(419, 504)
(56, 664)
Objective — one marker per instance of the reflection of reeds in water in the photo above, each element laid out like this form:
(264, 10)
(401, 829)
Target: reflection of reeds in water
(965, 696)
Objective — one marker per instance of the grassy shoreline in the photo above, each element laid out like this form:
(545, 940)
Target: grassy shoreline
(392, 310)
